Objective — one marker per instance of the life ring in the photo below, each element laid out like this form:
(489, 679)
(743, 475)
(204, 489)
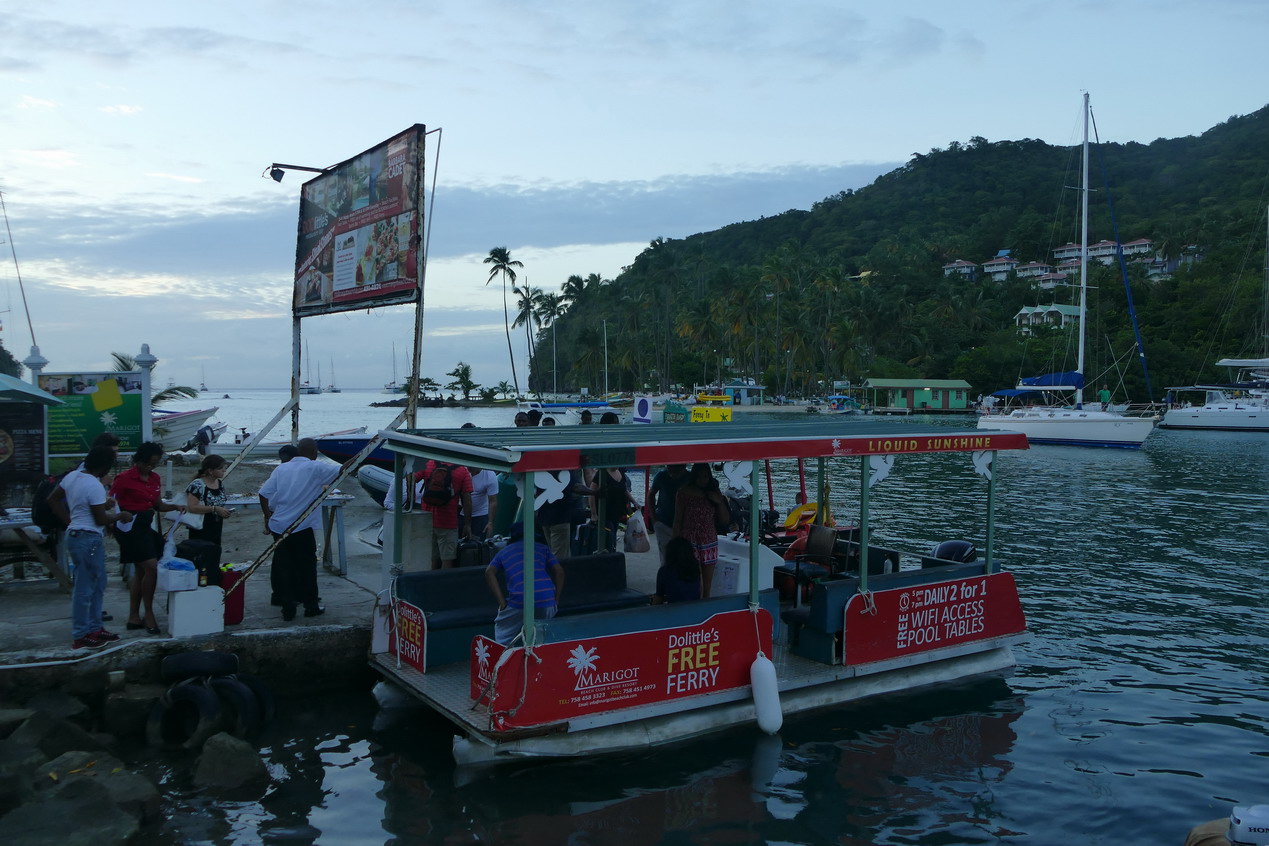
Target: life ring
(240, 713)
(193, 665)
(184, 717)
(264, 696)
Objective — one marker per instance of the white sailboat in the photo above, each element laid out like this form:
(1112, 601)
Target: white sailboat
(1074, 425)
(332, 388)
(305, 386)
(394, 387)
(1241, 405)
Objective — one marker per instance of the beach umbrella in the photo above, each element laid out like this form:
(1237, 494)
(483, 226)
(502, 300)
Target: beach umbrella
(13, 389)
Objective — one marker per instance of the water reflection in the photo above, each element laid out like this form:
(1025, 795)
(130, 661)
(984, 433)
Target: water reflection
(1140, 699)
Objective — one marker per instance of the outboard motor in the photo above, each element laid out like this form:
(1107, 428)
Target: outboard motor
(203, 438)
(960, 551)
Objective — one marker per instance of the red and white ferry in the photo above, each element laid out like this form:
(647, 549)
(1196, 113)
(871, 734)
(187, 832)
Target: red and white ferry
(612, 672)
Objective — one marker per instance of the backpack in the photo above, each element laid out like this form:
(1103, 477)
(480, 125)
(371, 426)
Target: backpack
(42, 514)
(437, 489)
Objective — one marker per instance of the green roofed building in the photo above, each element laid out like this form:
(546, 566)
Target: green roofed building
(905, 396)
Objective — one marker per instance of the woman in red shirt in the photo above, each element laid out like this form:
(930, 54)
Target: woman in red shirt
(140, 487)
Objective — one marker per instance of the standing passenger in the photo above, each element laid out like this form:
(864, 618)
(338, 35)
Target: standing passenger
(84, 506)
(284, 496)
(138, 490)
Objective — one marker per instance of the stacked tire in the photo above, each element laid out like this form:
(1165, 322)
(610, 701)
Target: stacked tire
(208, 695)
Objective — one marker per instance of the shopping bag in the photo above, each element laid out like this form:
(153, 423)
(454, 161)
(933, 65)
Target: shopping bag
(636, 534)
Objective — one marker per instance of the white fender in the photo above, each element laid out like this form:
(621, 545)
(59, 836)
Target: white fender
(766, 694)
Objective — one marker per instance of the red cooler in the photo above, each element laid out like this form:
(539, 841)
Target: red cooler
(233, 601)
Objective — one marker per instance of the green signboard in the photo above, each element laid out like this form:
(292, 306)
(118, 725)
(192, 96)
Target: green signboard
(94, 403)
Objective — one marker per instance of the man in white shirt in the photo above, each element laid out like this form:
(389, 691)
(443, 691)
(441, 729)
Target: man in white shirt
(484, 501)
(82, 503)
(293, 487)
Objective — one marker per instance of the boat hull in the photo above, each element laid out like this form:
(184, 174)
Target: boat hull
(340, 448)
(1218, 418)
(802, 690)
(1074, 427)
(175, 430)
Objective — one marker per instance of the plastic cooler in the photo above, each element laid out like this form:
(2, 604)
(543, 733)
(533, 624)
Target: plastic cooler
(233, 601)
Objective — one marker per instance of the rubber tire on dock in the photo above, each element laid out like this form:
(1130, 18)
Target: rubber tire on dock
(264, 696)
(240, 712)
(193, 665)
(184, 717)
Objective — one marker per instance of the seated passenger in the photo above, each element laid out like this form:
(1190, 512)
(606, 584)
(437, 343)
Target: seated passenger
(679, 578)
(548, 582)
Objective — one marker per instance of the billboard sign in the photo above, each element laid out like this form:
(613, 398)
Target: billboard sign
(21, 439)
(360, 230)
(93, 403)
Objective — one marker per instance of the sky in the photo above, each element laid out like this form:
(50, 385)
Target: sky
(134, 136)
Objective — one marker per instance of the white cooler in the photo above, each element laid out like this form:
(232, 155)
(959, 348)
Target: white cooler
(196, 612)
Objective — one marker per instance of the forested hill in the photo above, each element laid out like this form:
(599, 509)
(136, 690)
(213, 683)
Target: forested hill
(854, 288)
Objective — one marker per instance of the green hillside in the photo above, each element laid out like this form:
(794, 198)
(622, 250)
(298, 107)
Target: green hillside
(854, 288)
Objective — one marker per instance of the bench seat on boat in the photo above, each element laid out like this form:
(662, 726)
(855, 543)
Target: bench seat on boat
(458, 605)
(650, 617)
(815, 631)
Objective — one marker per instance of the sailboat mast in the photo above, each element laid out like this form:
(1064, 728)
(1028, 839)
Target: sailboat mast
(1079, 391)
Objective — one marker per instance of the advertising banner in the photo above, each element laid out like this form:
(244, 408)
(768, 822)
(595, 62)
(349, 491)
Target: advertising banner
(21, 438)
(572, 678)
(359, 240)
(93, 403)
(409, 638)
(917, 619)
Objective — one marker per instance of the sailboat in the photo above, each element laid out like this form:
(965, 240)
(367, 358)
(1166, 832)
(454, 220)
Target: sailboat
(1073, 425)
(1240, 405)
(305, 387)
(331, 389)
(202, 385)
(394, 387)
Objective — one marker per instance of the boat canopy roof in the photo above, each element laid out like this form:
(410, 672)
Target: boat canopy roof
(1071, 380)
(1243, 362)
(529, 449)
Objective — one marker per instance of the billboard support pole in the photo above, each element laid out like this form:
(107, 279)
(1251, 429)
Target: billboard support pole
(295, 379)
(416, 376)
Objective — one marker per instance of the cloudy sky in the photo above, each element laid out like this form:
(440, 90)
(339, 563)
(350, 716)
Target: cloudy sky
(135, 134)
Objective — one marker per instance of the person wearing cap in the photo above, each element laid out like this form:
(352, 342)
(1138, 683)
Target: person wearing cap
(548, 584)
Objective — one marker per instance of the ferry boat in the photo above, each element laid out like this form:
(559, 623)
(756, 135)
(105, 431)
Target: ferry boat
(611, 672)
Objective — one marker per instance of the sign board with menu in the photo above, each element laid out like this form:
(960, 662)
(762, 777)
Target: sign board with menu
(21, 439)
(360, 235)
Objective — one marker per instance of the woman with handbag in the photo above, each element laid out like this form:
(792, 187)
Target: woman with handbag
(612, 488)
(139, 490)
(699, 507)
(205, 510)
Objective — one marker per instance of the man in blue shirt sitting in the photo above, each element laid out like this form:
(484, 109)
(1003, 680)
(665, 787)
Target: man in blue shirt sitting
(548, 582)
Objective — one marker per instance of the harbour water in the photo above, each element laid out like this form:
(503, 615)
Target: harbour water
(1139, 707)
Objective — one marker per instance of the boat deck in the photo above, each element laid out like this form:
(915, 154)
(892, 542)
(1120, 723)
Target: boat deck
(803, 684)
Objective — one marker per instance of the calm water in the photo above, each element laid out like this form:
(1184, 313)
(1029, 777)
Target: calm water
(1138, 708)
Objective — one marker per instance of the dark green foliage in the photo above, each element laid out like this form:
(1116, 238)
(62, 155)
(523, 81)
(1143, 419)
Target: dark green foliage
(854, 288)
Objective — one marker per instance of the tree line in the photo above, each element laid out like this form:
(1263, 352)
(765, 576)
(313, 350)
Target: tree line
(854, 288)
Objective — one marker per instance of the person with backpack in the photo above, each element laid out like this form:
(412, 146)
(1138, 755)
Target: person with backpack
(86, 509)
(441, 490)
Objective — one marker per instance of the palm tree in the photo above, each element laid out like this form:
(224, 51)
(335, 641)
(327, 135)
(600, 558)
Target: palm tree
(504, 387)
(526, 314)
(573, 290)
(124, 363)
(500, 258)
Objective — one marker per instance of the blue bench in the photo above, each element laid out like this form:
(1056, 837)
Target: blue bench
(458, 605)
(815, 630)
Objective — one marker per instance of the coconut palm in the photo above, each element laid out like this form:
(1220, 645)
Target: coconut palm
(526, 311)
(573, 290)
(504, 265)
(124, 363)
